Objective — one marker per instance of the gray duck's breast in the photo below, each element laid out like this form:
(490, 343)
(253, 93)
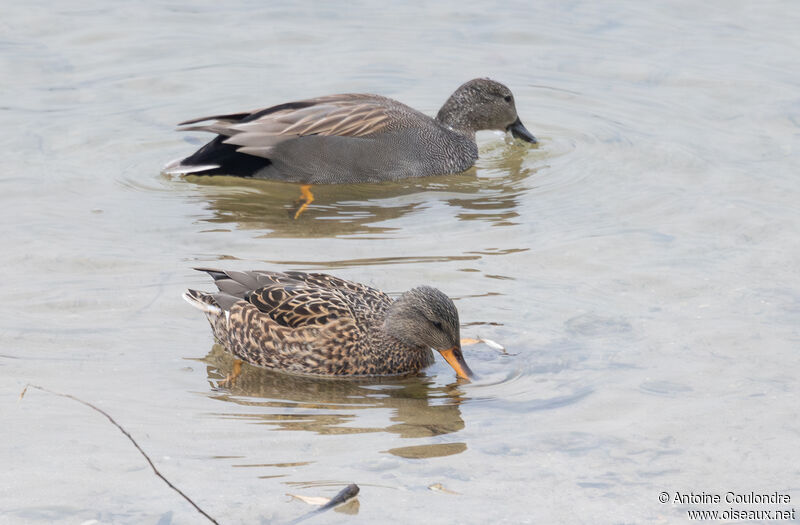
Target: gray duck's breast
(391, 155)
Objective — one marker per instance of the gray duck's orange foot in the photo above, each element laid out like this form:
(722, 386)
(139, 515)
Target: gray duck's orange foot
(306, 198)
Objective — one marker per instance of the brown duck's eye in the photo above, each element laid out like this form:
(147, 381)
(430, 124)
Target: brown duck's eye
(437, 325)
(508, 98)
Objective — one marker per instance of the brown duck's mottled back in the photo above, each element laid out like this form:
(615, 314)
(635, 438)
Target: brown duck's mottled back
(306, 323)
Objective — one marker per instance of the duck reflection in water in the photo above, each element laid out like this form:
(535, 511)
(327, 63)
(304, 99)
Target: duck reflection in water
(330, 406)
(491, 193)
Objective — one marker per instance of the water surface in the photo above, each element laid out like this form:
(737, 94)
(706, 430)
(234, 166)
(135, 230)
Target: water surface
(640, 265)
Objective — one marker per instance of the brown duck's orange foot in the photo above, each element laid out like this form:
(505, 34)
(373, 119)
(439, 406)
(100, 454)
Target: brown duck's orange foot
(231, 377)
(306, 198)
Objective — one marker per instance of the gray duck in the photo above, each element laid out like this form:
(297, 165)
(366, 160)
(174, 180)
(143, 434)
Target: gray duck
(352, 138)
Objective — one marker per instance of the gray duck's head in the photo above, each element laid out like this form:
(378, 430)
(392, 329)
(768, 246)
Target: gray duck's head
(483, 104)
(425, 317)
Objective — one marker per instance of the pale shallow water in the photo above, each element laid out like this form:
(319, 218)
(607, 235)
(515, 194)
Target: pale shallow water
(641, 265)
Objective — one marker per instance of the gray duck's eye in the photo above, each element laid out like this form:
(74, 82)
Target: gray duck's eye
(507, 98)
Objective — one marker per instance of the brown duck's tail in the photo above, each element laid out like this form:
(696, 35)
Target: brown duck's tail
(203, 301)
(215, 305)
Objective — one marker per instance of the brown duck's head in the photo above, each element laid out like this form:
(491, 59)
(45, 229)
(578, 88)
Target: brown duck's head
(425, 317)
(483, 104)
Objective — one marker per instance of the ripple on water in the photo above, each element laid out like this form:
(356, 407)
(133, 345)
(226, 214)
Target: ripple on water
(490, 192)
(421, 406)
(594, 325)
(529, 381)
(664, 388)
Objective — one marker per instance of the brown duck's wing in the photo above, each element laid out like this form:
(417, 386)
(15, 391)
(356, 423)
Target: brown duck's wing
(295, 299)
(258, 132)
(238, 284)
(296, 322)
(297, 305)
(358, 296)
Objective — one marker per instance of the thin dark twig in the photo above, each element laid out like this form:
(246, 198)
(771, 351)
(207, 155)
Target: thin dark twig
(344, 495)
(127, 434)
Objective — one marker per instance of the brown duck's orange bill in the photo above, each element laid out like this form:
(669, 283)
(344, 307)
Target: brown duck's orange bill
(455, 358)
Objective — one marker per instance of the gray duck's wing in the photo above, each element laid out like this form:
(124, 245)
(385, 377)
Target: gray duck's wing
(349, 115)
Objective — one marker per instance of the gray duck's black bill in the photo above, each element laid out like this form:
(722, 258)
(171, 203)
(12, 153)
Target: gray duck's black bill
(519, 131)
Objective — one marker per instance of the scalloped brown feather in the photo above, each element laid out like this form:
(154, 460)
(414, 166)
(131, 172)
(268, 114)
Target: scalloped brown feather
(307, 324)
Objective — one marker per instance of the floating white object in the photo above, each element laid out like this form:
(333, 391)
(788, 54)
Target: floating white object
(494, 345)
(311, 500)
(438, 487)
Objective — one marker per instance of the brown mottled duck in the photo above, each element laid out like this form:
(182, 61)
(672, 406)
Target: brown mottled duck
(318, 324)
